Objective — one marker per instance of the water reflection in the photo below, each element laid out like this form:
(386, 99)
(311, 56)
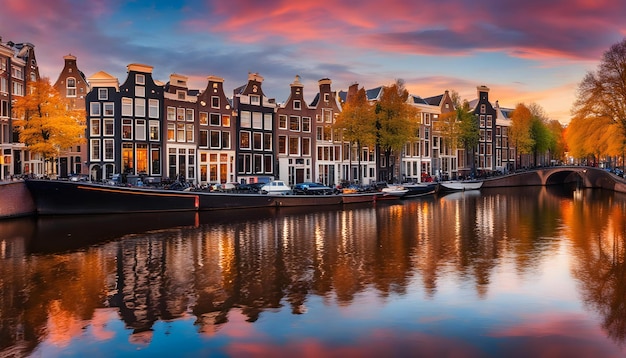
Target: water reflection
(450, 256)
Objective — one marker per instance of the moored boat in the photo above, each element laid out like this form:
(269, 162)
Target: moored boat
(460, 185)
(394, 191)
(54, 197)
(417, 189)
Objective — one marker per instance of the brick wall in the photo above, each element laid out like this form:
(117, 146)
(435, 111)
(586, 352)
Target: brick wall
(15, 200)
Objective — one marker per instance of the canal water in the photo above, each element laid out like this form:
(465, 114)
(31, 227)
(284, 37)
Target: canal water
(510, 272)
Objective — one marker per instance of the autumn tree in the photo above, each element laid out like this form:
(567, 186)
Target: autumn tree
(357, 123)
(396, 122)
(520, 133)
(45, 123)
(468, 132)
(602, 93)
(558, 146)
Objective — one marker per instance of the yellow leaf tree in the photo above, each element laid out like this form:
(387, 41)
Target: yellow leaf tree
(357, 122)
(45, 123)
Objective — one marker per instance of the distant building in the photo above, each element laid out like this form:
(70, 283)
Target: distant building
(72, 85)
(217, 134)
(254, 125)
(295, 138)
(18, 67)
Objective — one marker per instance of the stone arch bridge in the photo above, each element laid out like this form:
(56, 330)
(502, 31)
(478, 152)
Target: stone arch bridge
(586, 177)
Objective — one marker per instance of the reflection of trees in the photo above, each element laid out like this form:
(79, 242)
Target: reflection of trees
(600, 250)
(282, 258)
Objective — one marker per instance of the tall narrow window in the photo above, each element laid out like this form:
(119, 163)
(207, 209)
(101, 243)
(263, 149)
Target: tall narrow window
(71, 87)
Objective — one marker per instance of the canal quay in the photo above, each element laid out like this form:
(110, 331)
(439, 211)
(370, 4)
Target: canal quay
(505, 271)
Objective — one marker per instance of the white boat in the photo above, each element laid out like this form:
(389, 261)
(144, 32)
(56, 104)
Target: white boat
(276, 187)
(460, 185)
(394, 191)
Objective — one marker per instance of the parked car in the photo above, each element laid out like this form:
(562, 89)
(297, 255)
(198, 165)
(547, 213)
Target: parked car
(250, 188)
(312, 189)
(79, 177)
(276, 187)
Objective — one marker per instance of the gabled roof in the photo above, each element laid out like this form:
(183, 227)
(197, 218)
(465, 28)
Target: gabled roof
(103, 79)
(435, 100)
(413, 99)
(374, 93)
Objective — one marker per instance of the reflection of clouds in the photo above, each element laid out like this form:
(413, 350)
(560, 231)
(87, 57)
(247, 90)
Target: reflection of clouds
(100, 320)
(143, 338)
(63, 325)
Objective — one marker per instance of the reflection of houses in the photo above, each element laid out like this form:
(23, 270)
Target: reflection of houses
(295, 138)
(254, 126)
(72, 85)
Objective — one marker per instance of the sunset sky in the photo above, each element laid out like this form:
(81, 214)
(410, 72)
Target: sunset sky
(524, 51)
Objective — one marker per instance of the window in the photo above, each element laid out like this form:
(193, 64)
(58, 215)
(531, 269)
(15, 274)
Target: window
(257, 120)
(326, 97)
(18, 88)
(258, 163)
(244, 140)
(180, 95)
(204, 138)
(16, 72)
(257, 142)
(95, 149)
(189, 114)
(94, 108)
(328, 115)
(4, 85)
(127, 107)
(128, 162)
(127, 128)
(282, 121)
(153, 108)
(171, 113)
(108, 127)
(94, 127)
(142, 158)
(108, 149)
(297, 105)
(171, 130)
(4, 109)
(3, 64)
(140, 107)
(140, 79)
(180, 132)
(245, 119)
(70, 86)
(155, 159)
(215, 119)
(267, 121)
(306, 124)
(154, 130)
(225, 120)
(225, 140)
(180, 114)
(483, 108)
(108, 109)
(306, 146)
(215, 139)
(294, 123)
(267, 141)
(268, 163)
(140, 91)
(215, 102)
(255, 99)
(204, 118)
(140, 129)
(103, 94)
(294, 145)
(189, 134)
(282, 144)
